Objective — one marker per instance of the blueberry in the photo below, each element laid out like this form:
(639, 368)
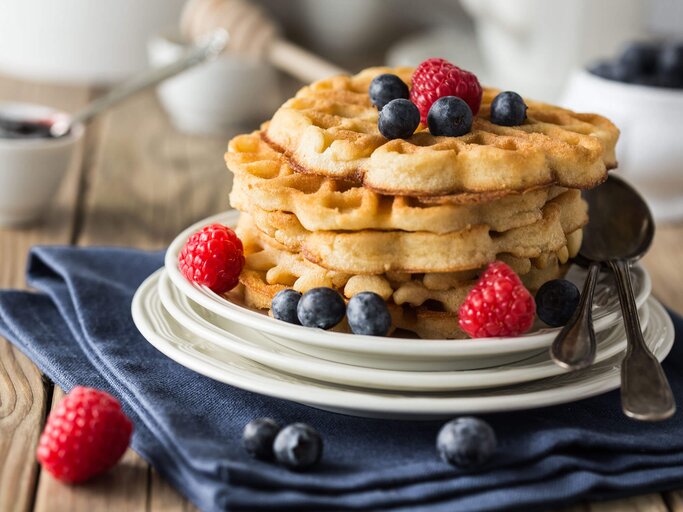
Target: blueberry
(284, 305)
(398, 119)
(601, 69)
(450, 116)
(638, 58)
(670, 65)
(508, 109)
(321, 307)
(556, 302)
(368, 314)
(609, 70)
(258, 437)
(298, 446)
(385, 88)
(466, 442)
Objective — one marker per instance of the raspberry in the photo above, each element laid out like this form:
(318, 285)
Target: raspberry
(498, 305)
(435, 78)
(84, 436)
(214, 257)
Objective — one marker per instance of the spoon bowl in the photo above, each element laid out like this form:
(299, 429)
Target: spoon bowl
(620, 226)
(620, 231)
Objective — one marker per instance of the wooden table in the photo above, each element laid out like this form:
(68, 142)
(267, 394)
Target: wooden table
(140, 182)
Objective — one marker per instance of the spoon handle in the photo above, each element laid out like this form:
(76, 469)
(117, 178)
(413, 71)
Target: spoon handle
(208, 49)
(645, 392)
(574, 347)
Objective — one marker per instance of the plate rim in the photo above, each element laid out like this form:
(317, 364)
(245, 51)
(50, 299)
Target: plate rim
(363, 344)
(364, 376)
(358, 403)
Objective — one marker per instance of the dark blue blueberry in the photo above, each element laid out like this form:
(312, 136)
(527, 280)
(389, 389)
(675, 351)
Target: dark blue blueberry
(609, 70)
(508, 109)
(449, 116)
(637, 59)
(385, 88)
(398, 119)
(298, 446)
(367, 313)
(258, 437)
(321, 307)
(602, 69)
(284, 305)
(670, 66)
(556, 302)
(466, 442)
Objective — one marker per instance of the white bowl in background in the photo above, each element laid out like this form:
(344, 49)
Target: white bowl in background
(80, 40)
(649, 151)
(216, 97)
(32, 169)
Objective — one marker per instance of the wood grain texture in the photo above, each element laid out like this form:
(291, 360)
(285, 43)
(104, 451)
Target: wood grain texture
(674, 501)
(663, 262)
(646, 503)
(22, 393)
(148, 181)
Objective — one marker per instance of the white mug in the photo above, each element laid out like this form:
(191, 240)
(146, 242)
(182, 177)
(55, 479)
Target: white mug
(531, 46)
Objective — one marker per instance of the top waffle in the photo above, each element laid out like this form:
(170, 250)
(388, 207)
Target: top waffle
(330, 128)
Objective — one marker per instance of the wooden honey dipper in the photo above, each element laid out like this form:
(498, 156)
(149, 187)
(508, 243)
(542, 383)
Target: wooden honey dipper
(252, 33)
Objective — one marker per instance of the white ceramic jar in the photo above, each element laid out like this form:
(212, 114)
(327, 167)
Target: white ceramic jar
(216, 97)
(31, 170)
(80, 40)
(650, 150)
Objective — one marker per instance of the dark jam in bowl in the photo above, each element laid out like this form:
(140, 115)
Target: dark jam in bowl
(14, 128)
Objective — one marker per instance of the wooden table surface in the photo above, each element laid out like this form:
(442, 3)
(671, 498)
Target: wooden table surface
(139, 183)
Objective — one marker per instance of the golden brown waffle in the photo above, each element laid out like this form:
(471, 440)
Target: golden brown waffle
(376, 252)
(264, 179)
(425, 304)
(330, 128)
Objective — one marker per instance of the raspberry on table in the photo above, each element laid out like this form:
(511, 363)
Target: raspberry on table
(213, 257)
(84, 436)
(435, 78)
(498, 305)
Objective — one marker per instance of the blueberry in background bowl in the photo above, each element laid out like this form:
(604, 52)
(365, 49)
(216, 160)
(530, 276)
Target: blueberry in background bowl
(656, 64)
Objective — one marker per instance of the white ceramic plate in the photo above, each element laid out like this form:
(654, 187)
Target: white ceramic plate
(206, 358)
(397, 353)
(254, 345)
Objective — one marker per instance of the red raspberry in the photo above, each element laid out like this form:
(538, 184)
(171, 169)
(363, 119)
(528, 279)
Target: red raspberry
(214, 257)
(85, 435)
(435, 78)
(498, 305)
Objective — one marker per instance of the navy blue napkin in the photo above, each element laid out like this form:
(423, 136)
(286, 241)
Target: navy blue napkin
(78, 329)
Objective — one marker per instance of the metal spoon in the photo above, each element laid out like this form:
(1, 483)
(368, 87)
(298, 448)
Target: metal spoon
(621, 231)
(58, 126)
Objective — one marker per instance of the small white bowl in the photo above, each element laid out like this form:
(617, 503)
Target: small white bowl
(32, 169)
(649, 151)
(216, 97)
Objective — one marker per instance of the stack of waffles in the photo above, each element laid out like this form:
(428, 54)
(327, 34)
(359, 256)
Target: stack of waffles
(326, 200)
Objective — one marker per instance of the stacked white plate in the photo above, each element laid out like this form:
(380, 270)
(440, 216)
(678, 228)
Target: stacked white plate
(382, 377)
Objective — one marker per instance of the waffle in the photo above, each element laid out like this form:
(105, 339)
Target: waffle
(376, 252)
(263, 178)
(330, 129)
(425, 304)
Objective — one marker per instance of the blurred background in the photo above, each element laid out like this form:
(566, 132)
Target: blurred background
(543, 49)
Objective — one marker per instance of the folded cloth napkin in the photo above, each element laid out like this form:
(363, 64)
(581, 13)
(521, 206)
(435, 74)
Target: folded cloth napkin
(78, 329)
